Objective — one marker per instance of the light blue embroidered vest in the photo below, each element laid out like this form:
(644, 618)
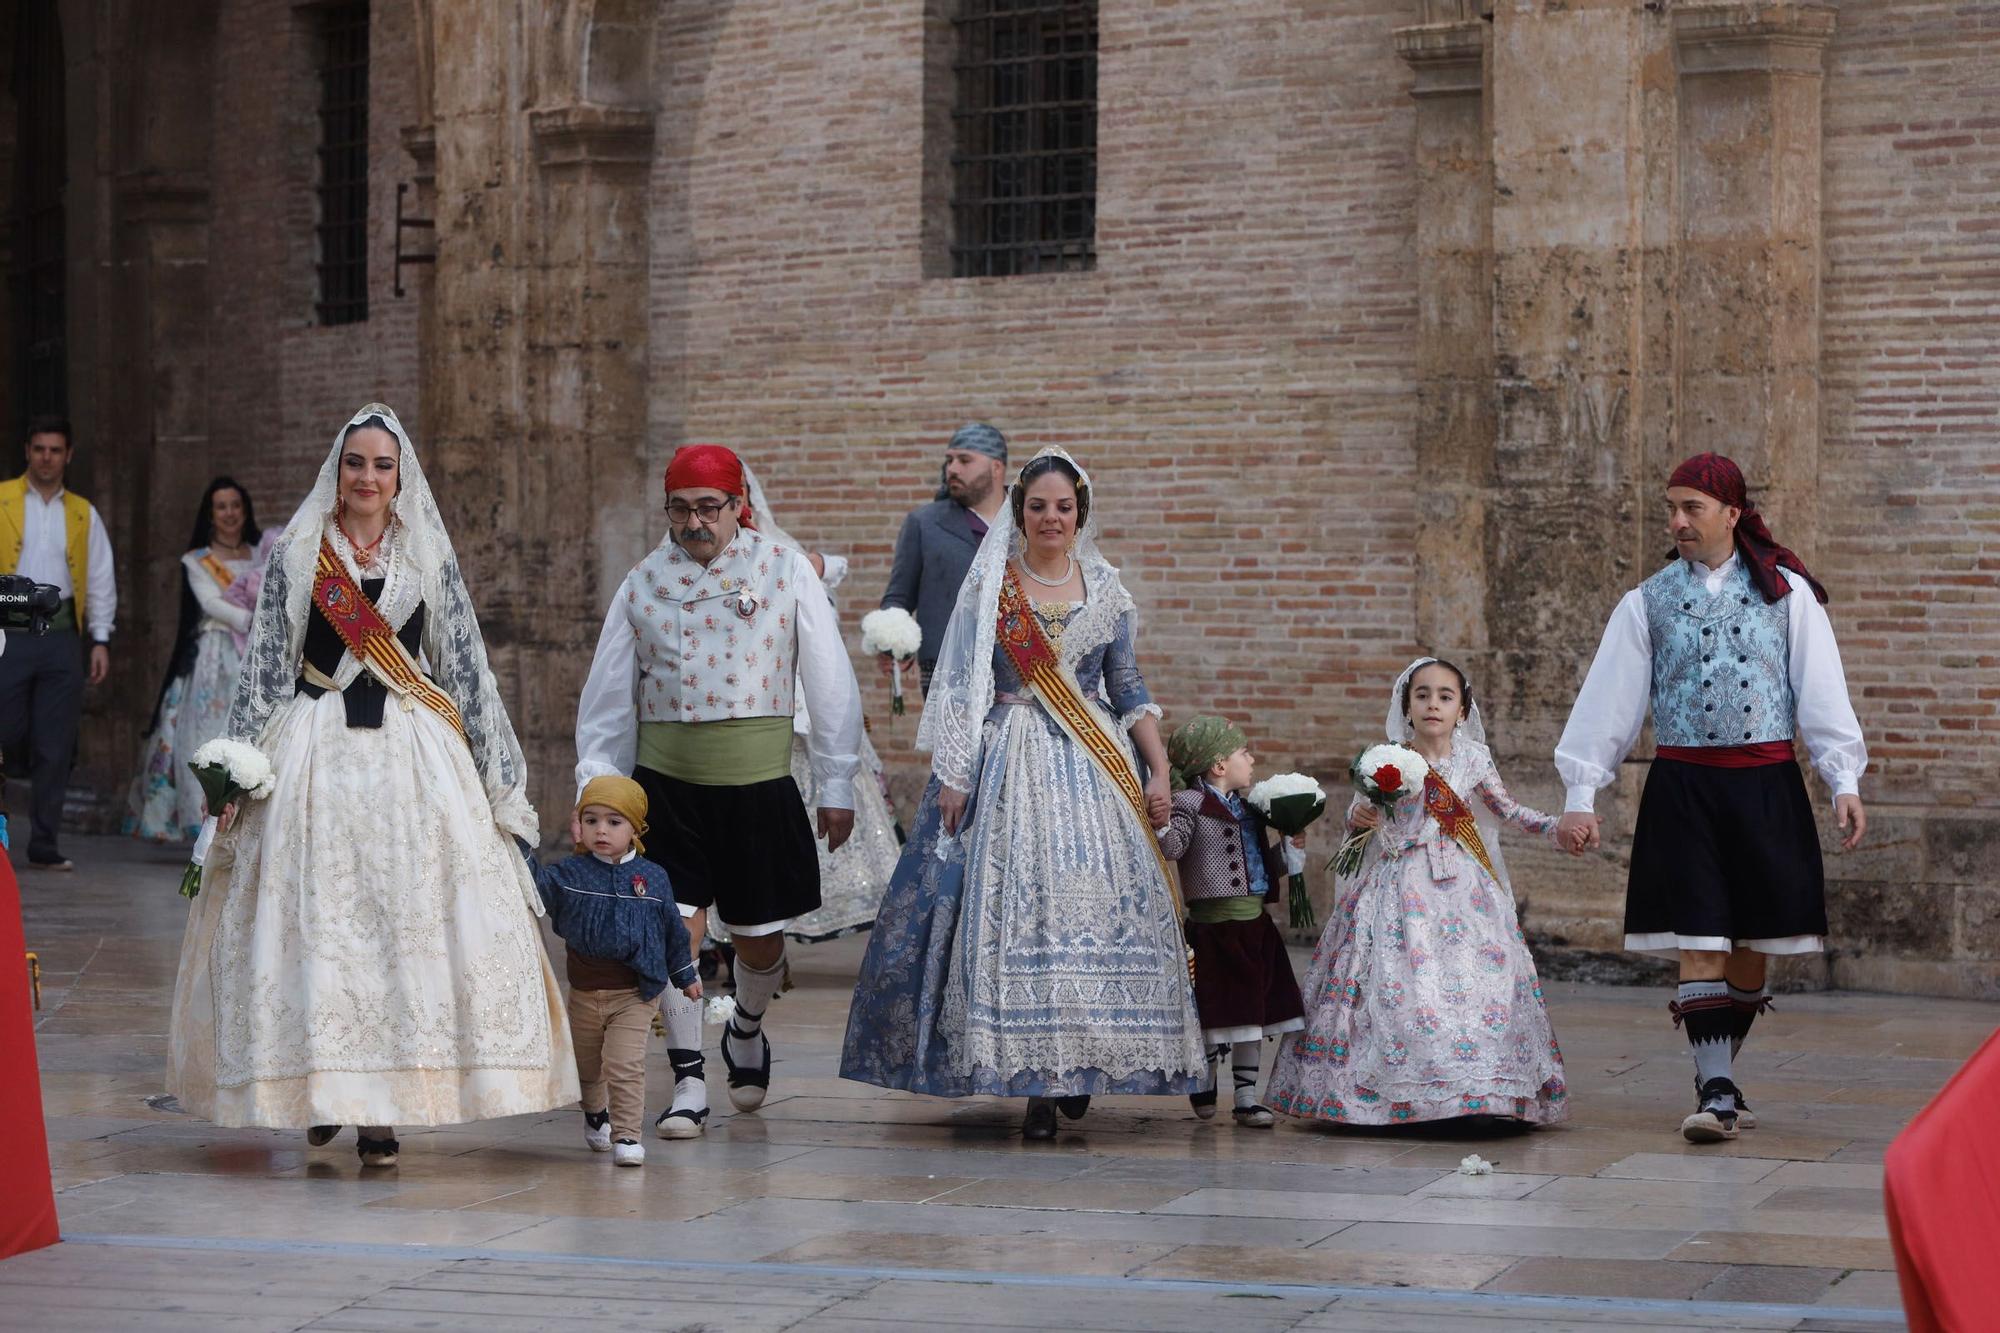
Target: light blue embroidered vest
(1721, 663)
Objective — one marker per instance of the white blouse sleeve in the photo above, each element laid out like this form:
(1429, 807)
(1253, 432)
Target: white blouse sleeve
(826, 680)
(208, 593)
(102, 595)
(1610, 708)
(836, 570)
(1819, 688)
(607, 713)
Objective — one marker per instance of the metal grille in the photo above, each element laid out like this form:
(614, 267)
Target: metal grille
(40, 306)
(1024, 179)
(343, 164)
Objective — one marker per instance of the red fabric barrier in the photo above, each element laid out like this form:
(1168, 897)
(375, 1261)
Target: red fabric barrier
(1942, 1181)
(27, 1203)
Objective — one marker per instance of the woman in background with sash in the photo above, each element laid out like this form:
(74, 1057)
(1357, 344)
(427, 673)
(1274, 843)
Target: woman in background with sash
(1030, 943)
(193, 704)
(364, 949)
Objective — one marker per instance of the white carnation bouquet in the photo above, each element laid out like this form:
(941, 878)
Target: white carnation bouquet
(1290, 802)
(894, 631)
(1385, 774)
(228, 771)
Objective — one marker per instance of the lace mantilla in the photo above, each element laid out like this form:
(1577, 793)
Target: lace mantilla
(422, 568)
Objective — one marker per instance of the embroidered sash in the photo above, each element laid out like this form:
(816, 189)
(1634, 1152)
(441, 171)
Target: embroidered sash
(373, 640)
(1455, 818)
(1020, 633)
(217, 570)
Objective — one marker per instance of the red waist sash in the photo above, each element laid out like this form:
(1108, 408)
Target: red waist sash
(1760, 755)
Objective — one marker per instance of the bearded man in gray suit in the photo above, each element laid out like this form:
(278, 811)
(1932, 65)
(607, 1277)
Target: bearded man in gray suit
(939, 539)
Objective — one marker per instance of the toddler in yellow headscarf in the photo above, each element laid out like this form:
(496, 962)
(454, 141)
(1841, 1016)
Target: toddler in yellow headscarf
(626, 943)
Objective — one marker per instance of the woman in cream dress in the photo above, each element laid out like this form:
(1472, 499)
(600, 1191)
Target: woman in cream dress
(364, 948)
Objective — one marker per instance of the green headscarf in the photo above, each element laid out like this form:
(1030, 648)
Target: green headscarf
(1199, 742)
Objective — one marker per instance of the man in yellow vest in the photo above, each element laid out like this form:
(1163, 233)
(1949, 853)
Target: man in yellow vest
(52, 535)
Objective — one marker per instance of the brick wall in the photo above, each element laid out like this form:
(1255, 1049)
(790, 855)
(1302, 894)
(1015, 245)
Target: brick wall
(1236, 372)
(1909, 542)
(281, 384)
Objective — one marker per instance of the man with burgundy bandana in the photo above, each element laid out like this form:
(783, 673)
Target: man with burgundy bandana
(707, 648)
(1731, 649)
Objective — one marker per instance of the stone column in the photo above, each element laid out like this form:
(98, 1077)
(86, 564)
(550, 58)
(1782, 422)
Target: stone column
(535, 343)
(1455, 423)
(1750, 80)
(1564, 523)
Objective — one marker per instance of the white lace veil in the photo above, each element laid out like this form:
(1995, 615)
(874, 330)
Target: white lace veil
(422, 568)
(961, 688)
(1471, 759)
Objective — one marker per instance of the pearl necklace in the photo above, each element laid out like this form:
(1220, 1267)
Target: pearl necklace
(1068, 570)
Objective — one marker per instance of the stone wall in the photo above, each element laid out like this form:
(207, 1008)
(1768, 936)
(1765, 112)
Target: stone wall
(1401, 311)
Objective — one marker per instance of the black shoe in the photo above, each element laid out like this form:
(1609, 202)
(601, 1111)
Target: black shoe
(377, 1152)
(1040, 1123)
(1714, 1120)
(321, 1135)
(1073, 1107)
(1203, 1104)
(1745, 1117)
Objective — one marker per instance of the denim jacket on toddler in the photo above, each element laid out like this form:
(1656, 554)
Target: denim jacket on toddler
(623, 913)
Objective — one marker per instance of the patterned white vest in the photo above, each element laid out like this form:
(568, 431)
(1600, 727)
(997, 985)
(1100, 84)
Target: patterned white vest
(716, 641)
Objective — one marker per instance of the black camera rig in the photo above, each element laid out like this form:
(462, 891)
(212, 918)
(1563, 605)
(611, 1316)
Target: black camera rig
(26, 604)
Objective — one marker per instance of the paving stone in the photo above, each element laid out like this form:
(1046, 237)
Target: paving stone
(837, 1176)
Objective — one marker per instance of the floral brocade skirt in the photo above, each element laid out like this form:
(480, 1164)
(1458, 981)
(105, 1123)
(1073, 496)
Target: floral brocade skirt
(1422, 1003)
(164, 804)
(1036, 954)
(363, 951)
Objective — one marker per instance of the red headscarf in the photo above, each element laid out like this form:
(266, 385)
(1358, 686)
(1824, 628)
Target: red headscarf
(712, 467)
(1714, 475)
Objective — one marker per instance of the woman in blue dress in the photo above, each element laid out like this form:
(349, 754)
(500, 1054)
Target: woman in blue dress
(1029, 944)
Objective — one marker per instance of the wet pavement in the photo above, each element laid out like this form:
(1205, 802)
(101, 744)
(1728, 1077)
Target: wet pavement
(841, 1206)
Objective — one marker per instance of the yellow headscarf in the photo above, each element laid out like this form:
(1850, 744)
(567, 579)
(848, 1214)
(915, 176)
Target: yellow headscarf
(625, 796)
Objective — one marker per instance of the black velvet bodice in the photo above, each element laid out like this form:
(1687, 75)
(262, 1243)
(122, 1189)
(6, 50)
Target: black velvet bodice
(365, 696)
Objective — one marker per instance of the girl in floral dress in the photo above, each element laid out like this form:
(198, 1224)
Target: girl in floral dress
(1422, 1001)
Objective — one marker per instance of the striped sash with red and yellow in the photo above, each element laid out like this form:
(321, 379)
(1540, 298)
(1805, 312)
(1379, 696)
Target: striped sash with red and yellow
(1455, 817)
(373, 640)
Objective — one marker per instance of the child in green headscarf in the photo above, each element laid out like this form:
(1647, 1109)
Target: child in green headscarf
(1230, 868)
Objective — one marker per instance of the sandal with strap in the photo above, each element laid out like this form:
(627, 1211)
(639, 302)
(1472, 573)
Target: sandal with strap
(746, 1085)
(321, 1135)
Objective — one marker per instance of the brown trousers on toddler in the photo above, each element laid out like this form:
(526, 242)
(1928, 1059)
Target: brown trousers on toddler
(610, 1029)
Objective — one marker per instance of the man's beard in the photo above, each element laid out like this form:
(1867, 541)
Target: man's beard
(971, 493)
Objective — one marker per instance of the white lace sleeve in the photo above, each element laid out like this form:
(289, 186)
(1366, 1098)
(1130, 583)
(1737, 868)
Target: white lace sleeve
(270, 673)
(458, 663)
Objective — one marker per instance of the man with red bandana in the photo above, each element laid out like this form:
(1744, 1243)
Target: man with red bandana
(706, 651)
(1730, 648)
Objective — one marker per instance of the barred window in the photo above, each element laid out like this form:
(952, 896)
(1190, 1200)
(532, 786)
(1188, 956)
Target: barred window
(1024, 178)
(343, 163)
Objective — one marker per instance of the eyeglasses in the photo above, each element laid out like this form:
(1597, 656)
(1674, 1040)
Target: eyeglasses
(707, 511)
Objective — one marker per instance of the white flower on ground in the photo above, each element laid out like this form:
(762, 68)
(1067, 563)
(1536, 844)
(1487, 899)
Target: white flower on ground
(1475, 1165)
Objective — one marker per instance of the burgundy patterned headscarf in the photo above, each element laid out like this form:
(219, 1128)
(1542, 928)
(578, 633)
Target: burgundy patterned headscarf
(1714, 475)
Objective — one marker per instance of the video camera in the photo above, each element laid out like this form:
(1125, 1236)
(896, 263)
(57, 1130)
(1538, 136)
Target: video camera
(26, 604)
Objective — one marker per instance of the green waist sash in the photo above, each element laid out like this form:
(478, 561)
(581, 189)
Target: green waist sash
(1214, 911)
(734, 752)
